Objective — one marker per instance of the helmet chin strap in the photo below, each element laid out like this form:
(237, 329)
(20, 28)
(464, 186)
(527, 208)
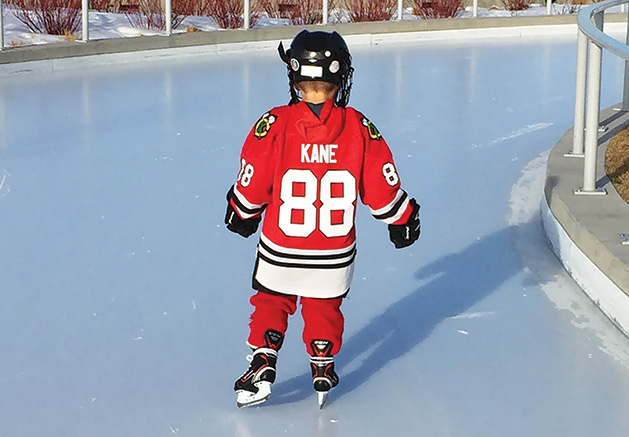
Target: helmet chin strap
(294, 97)
(345, 89)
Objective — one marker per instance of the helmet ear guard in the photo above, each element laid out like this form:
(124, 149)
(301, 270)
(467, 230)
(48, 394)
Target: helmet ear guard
(282, 52)
(285, 57)
(318, 56)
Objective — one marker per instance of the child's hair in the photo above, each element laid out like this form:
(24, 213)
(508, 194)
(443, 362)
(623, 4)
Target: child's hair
(317, 86)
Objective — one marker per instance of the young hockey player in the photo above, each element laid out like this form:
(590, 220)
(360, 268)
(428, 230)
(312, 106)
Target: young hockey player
(304, 165)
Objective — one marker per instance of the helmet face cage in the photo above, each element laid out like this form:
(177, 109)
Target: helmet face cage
(320, 56)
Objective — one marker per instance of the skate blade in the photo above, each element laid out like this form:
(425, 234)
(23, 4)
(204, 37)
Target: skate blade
(246, 398)
(322, 397)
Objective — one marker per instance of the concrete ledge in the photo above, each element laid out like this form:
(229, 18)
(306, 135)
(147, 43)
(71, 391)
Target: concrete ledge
(584, 230)
(134, 44)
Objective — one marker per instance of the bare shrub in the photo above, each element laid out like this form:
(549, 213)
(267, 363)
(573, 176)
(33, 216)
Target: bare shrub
(437, 8)
(569, 9)
(186, 8)
(277, 8)
(516, 5)
(283, 9)
(105, 5)
(150, 13)
(309, 12)
(54, 17)
(371, 10)
(229, 14)
(298, 12)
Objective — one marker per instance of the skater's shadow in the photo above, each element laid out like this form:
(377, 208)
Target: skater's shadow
(455, 283)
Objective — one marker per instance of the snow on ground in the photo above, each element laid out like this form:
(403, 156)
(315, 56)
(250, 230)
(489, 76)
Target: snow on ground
(116, 25)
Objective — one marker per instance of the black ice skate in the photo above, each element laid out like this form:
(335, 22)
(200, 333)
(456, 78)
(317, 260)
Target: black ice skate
(254, 386)
(324, 377)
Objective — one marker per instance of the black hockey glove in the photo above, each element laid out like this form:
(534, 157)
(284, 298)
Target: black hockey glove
(244, 227)
(406, 234)
(234, 223)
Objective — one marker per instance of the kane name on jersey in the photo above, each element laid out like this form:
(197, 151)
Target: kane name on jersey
(318, 153)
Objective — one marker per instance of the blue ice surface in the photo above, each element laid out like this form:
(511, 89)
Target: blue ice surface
(124, 300)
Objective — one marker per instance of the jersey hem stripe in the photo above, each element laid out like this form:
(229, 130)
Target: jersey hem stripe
(280, 263)
(308, 257)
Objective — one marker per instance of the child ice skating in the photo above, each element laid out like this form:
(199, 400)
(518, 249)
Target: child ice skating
(303, 167)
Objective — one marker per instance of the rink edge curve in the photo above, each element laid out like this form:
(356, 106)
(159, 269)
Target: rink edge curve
(584, 231)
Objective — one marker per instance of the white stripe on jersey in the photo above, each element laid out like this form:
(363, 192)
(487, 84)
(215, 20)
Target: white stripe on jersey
(388, 213)
(309, 273)
(246, 204)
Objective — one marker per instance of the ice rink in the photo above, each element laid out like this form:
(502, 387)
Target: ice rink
(124, 300)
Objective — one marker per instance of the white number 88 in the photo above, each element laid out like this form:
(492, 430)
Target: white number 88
(306, 203)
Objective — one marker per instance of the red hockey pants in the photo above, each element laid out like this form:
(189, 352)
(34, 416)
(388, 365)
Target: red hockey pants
(323, 319)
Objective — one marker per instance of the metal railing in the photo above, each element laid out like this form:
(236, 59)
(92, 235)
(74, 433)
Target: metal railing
(590, 43)
(246, 16)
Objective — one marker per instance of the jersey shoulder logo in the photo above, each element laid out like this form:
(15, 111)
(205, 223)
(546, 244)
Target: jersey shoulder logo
(263, 125)
(372, 130)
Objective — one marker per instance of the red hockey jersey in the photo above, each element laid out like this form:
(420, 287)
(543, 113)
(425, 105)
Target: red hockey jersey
(308, 172)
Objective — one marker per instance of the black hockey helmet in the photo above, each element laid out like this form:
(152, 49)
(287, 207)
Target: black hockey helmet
(320, 56)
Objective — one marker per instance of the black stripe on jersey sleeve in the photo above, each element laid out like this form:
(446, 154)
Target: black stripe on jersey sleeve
(394, 210)
(351, 252)
(243, 208)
